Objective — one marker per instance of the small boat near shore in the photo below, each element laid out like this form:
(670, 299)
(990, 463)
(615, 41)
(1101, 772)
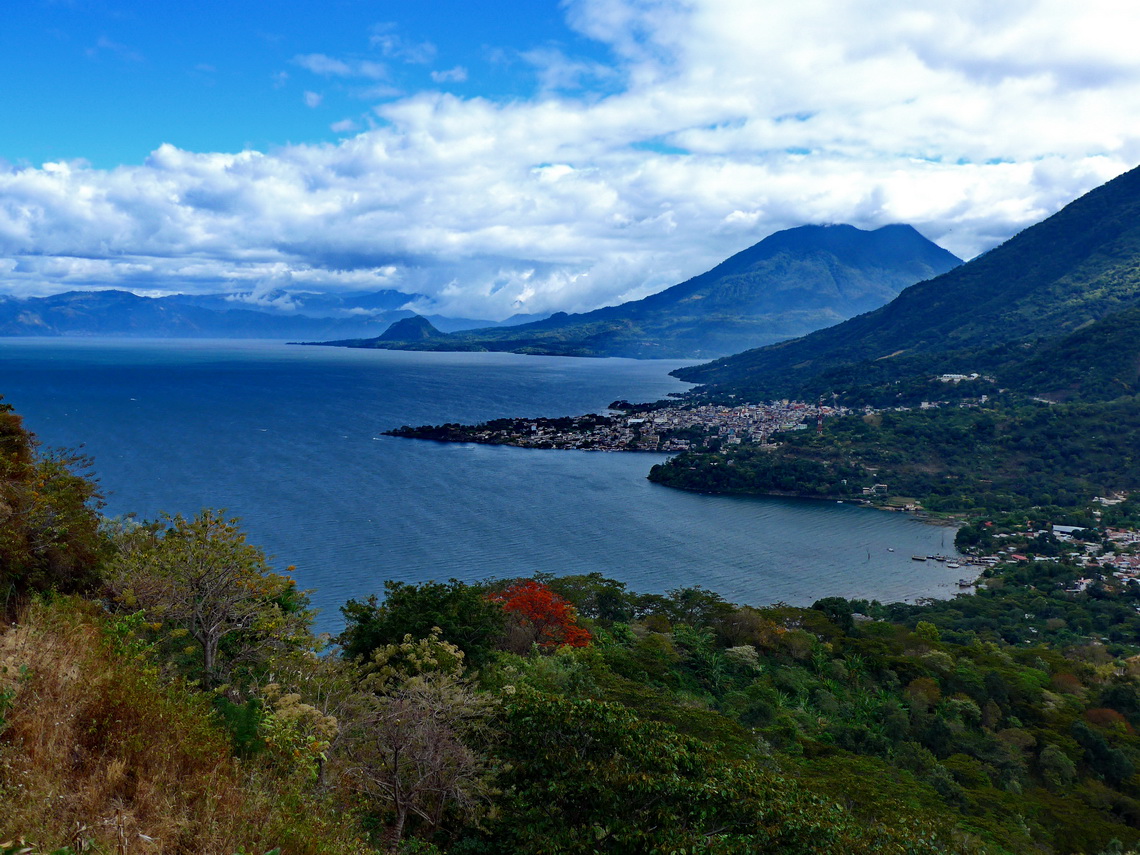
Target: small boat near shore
(918, 558)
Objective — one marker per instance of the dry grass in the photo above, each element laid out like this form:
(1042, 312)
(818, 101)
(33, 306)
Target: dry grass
(97, 751)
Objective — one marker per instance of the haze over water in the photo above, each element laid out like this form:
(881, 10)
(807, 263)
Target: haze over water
(288, 439)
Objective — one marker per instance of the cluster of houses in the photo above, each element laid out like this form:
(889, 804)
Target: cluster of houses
(1121, 563)
(733, 425)
(669, 429)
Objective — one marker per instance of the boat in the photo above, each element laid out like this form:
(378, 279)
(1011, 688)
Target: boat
(890, 549)
(918, 558)
(953, 565)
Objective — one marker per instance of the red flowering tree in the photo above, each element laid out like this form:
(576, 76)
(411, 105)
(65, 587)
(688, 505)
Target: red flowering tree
(541, 616)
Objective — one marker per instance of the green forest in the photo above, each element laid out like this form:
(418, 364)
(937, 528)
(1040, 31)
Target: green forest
(953, 459)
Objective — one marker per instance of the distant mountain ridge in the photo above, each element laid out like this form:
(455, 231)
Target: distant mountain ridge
(1061, 287)
(284, 315)
(792, 282)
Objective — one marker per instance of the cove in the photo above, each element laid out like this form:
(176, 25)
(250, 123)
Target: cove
(288, 439)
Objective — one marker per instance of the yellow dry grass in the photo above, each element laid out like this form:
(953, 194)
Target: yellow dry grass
(96, 751)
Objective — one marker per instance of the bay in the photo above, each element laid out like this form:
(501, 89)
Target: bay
(288, 439)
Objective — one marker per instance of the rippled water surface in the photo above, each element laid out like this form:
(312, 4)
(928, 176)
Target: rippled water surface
(288, 438)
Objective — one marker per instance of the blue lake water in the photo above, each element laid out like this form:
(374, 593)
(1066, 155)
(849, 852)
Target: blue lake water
(288, 439)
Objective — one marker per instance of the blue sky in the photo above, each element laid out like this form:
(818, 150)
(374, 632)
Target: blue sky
(499, 157)
(110, 81)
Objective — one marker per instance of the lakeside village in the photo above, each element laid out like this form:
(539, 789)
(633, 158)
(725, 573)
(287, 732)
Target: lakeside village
(1108, 559)
(661, 427)
(656, 428)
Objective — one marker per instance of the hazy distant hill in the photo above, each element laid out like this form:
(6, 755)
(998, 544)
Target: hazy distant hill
(415, 328)
(789, 283)
(1040, 310)
(285, 315)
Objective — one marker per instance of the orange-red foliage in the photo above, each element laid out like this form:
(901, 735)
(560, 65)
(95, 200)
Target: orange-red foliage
(1104, 717)
(551, 618)
(1068, 684)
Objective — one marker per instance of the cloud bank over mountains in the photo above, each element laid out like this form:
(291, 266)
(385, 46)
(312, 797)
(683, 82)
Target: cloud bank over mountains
(715, 123)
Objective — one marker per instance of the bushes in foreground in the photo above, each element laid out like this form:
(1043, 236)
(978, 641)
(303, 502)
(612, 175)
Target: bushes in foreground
(96, 750)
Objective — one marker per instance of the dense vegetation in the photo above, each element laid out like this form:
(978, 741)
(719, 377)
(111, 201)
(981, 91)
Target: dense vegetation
(955, 459)
(162, 690)
(49, 532)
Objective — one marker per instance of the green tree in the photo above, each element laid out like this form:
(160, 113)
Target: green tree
(50, 537)
(927, 631)
(593, 595)
(1057, 769)
(461, 611)
(413, 749)
(585, 776)
(201, 578)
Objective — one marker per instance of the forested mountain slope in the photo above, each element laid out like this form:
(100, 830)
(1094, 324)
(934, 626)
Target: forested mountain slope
(1074, 269)
(788, 284)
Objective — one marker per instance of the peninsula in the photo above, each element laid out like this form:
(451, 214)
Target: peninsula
(643, 427)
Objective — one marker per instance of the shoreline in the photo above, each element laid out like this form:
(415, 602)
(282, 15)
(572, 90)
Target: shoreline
(919, 514)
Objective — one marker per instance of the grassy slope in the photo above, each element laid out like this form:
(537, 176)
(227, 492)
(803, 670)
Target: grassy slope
(94, 747)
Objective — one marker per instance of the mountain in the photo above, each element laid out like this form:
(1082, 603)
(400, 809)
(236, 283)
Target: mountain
(790, 283)
(415, 328)
(1059, 291)
(280, 315)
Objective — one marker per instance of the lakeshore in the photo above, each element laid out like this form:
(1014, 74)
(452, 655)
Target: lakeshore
(287, 439)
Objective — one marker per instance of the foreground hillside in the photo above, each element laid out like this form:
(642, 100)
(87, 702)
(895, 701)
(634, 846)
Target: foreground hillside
(786, 285)
(161, 690)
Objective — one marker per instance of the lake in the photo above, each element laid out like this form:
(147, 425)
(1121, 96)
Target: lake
(288, 439)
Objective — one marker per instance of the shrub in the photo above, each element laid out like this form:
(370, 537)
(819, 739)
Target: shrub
(96, 744)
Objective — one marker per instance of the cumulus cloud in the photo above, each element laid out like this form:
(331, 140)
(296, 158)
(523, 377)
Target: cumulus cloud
(716, 123)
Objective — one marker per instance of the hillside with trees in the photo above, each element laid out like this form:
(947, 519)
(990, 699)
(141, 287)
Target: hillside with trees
(1044, 299)
(161, 689)
(1009, 455)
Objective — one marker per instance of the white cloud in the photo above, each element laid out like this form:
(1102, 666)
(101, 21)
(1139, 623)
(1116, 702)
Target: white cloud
(344, 126)
(312, 99)
(451, 75)
(720, 121)
(327, 66)
(104, 46)
(391, 44)
(556, 71)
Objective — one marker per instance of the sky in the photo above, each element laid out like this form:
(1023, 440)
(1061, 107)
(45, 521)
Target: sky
(532, 156)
